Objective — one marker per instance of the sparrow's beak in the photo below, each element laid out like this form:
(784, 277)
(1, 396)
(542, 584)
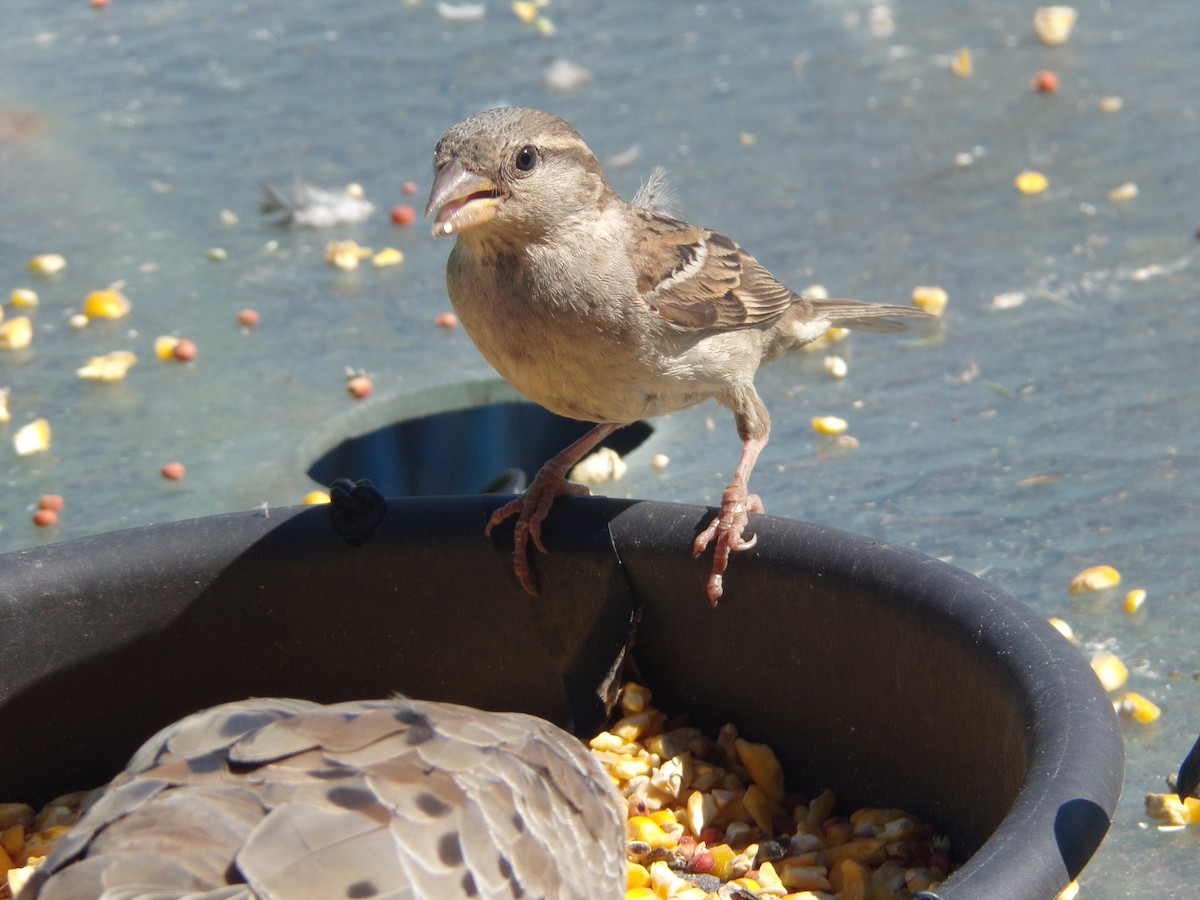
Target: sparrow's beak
(461, 200)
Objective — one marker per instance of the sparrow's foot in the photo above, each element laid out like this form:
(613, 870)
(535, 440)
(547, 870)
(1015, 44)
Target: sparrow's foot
(531, 509)
(727, 528)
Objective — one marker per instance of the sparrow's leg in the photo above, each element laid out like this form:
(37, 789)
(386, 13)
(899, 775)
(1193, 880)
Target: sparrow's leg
(534, 505)
(754, 425)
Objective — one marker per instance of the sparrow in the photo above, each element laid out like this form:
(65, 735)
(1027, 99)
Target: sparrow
(608, 311)
(288, 799)
(312, 207)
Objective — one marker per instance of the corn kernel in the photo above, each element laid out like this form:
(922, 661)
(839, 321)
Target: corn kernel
(961, 64)
(5, 415)
(1124, 193)
(1063, 628)
(1168, 808)
(1136, 707)
(32, 438)
(15, 814)
(849, 879)
(524, 10)
(723, 857)
(607, 741)
(164, 346)
(47, 263)
(634, 725)
(345, 255)
(759, 807)
(700, 812)
(641, 892)
(763, 767)
(24, 298)
(16, 334)
(868, 851)
(315, 498)
(636, 875)
(829, 425)
(1094, 578)
(1070, 892)
(108, 368)
(388, 256)
(646, 830)
(930, 298)
(1109, 669)
(12, 838)
(835, 366)
(109, 303)
(1029, 182)
(1134, 600)
(1053, 24)
(673, 776)
(799, 877)
(820, 807)
(634, 697)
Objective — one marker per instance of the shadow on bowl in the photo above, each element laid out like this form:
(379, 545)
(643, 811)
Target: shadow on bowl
(890, 677)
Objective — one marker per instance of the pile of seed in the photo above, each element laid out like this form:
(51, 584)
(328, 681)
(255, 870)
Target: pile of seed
(704, 813)
(26, 837)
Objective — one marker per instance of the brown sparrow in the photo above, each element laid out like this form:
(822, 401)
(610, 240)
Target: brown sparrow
(607, 311)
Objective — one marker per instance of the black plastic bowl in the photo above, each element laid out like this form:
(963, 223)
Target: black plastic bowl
(890, 677)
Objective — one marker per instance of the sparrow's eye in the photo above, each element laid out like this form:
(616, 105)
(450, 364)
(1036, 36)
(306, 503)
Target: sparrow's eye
(526, 159)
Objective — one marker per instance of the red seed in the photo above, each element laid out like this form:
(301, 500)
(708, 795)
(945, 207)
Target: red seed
(52, 502)
(712, 835)
(1045, 82)
(173, 471)
(703, 862)
(359, 387)
(184, 351)
(409, 187)
(248, 318)
(44, 518)
(446, 320)
(99, 4)
(404, 215)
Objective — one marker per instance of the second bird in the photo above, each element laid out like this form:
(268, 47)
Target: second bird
(608, 311)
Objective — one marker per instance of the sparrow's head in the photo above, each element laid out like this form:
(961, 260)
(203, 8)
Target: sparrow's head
(521, 170)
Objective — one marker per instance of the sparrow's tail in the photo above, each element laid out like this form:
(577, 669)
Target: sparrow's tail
(864, 316)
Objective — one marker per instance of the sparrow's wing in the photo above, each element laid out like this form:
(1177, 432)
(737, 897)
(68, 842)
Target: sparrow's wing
(696, 278)
(396, 798)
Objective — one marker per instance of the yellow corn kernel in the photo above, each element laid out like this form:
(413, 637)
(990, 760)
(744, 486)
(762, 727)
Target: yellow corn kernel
(12, 838)
(525, 10)
(700, 812)
(1167, 808)
(673, 776)
(32, 438)
(1136, 707)
(6, 862)
(634, 697)
(1109, 669)
(868, 851)
(1029, 182)
(930, 298)
(47, 263)
(796, 876)
(5, 415)
(835, 366)
(1063, 628)
(1070, 892)
(109, 303)
(850, 880)
(636, 875)
(746, 883)
(164, 346)
(670, 743)
(16, 334)
(15, 814)
(768, 878)
(24, 298)
(388, 256)
(626, 769)
(1053, 24)
(641, 892)
(634, 725)
(829, 424)
(820, 807)
(1094, 578)
(665, 882)
(723, 857)
(345, 255)
(1134, 600)
(759, 808)
(961, 64)
(109, 368)
(647, 831)
(607, 741)
(763, 767)
(315, 498)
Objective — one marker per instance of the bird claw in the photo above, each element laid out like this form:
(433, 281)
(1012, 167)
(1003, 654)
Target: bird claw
(727, 528)
(531, 509)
